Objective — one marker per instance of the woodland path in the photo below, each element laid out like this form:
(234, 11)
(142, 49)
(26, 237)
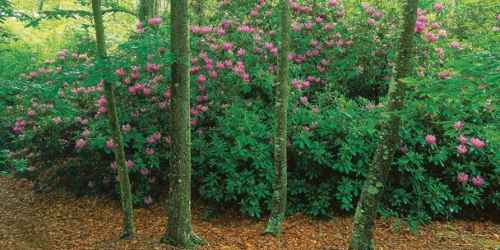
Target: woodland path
(56, 221)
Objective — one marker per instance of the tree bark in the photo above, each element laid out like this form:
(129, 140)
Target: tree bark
(114, 124)
(366, 211)
(279, 202)
(179, 229)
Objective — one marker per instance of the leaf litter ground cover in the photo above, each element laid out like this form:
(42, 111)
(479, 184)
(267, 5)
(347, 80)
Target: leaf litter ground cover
(56, 221)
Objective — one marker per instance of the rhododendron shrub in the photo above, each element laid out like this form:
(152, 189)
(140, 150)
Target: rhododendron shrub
(339, 69)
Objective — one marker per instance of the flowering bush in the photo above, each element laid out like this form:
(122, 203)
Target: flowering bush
(448, 163)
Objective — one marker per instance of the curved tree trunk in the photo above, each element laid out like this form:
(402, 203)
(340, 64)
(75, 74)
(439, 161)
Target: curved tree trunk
(274, 225)
(114, 124)
(366, 211)
(179, 230)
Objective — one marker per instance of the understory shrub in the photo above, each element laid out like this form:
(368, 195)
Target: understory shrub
(54, 117)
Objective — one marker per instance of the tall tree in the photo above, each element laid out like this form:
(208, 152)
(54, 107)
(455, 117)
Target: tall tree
(279, 202)
(114, 124)
(179, 229)
(366, 211)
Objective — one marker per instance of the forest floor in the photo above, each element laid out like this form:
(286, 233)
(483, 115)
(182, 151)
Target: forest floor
(56, 221)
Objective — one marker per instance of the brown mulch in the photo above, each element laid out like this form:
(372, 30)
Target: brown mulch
(56, 221)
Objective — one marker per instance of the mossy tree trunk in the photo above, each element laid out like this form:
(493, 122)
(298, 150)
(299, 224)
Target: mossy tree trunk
(114, 124)
(179, 229)
(366, 211)
(279, 202)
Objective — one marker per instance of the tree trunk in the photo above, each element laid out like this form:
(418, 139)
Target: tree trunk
(278, 210)
(179, 230)
(366, 211)
(125, 187)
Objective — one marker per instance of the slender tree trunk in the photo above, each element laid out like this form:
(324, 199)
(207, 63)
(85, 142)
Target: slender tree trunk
(179, 229)
(114, 124)
(274, 225)
(366, 211)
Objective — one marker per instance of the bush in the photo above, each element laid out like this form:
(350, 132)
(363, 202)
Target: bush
(341, 67)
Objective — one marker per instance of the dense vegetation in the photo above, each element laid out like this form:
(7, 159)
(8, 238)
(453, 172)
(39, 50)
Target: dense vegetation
(54, 129)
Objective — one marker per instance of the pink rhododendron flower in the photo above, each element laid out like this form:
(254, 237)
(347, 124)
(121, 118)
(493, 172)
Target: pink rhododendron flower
(446, 74)
(240, 52)
(431, 37)
(477, 143)
(478, 181)
(458, 125)
(150, 151)
(80, 143)
(110, 144)
(201, 79)
(455, 45)
(102, 101)
(431, 139)
(154, 21)
(120, 73)
(462, 177)
(146, 91)
(213, 74)
(438, 7)
(129, 163)
(462, 149)
(227, 46)
(144, 171)
(462, 139)
(151, 67)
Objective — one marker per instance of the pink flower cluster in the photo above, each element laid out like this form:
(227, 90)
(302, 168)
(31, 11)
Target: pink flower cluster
(462, 147)
(19, 126)
(139, 88)
(110, 144)
(155, 21)
(101, 103)
(431, 139)
(80, 143)
(374, 13)
(463, 178)
(152, 139)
